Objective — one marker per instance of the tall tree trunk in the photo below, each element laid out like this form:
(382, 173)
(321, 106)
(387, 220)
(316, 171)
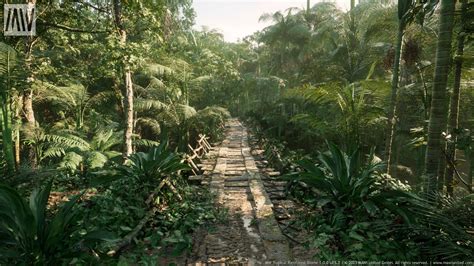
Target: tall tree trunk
(394, 99)
(128, 98)
(454, 105)
(28, 108)
(438, 111)
(352, 4)
(28, 96)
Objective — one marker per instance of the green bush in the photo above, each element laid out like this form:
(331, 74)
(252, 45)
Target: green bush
(29, 233)
(347, 182)
(365, 215)
(211, 122)
(149, 180)
(158, 163)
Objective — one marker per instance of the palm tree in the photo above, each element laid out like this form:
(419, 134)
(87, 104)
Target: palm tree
(454, 105)
(361, 31)
(282, 34)
(404, 7)
(438, 111)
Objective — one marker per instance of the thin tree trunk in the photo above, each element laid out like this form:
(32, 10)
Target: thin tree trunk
(442, 161)
(438, 111)
(27, 96)
(424, 96)
(471, 172)
(128, 98)
(18, 106)
(28, 107)
(393, 99)
(454, 106)
(128, 104)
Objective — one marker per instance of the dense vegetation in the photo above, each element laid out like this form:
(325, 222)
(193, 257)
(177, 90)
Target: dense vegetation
(102, 103)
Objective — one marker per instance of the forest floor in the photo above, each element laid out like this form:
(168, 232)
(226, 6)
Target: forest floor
(257, 209)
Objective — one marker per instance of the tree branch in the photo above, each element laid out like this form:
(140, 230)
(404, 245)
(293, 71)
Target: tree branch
(67, 28)
(101, 9)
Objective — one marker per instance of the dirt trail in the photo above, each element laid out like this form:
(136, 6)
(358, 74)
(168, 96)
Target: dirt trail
(251, 234)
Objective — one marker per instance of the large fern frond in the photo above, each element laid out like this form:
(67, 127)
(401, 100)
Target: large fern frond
(71, 161)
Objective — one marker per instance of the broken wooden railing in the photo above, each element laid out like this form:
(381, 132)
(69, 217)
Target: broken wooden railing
(203, 147)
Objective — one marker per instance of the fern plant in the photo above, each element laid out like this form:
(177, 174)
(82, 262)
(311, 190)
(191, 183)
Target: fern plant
(69, 149)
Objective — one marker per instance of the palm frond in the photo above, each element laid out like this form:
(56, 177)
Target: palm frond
(143, 105)
(150, 123)
(71, 161)
(157, 70)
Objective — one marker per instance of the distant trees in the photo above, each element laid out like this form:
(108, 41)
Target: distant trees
(325, 47)
(97, 67)
(453, 122)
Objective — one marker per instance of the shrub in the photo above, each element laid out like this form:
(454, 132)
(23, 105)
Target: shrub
(211, 122)
(158, 163)
(365, 215)
(29, 233)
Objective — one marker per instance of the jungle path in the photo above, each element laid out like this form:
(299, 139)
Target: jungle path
(251, 234)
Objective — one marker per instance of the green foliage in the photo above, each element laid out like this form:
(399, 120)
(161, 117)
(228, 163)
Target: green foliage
(363, 215)
(158, 163)
(175, 225)
(210, 121)
(8, 65)
(171, 228)
(312, 75)
(32, 233)
(69, 149)
(348, 182)
(150, 180)
(310, 114)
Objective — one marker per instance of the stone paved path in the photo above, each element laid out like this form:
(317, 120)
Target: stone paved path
(251, 234)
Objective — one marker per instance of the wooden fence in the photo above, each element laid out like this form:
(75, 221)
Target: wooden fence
(202, 148)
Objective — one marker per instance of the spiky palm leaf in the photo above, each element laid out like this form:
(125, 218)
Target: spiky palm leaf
(28, 231)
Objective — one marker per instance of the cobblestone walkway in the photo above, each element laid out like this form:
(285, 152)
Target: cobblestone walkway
(251, 235)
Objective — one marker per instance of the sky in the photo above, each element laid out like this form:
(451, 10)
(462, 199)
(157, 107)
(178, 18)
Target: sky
(239, 18)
